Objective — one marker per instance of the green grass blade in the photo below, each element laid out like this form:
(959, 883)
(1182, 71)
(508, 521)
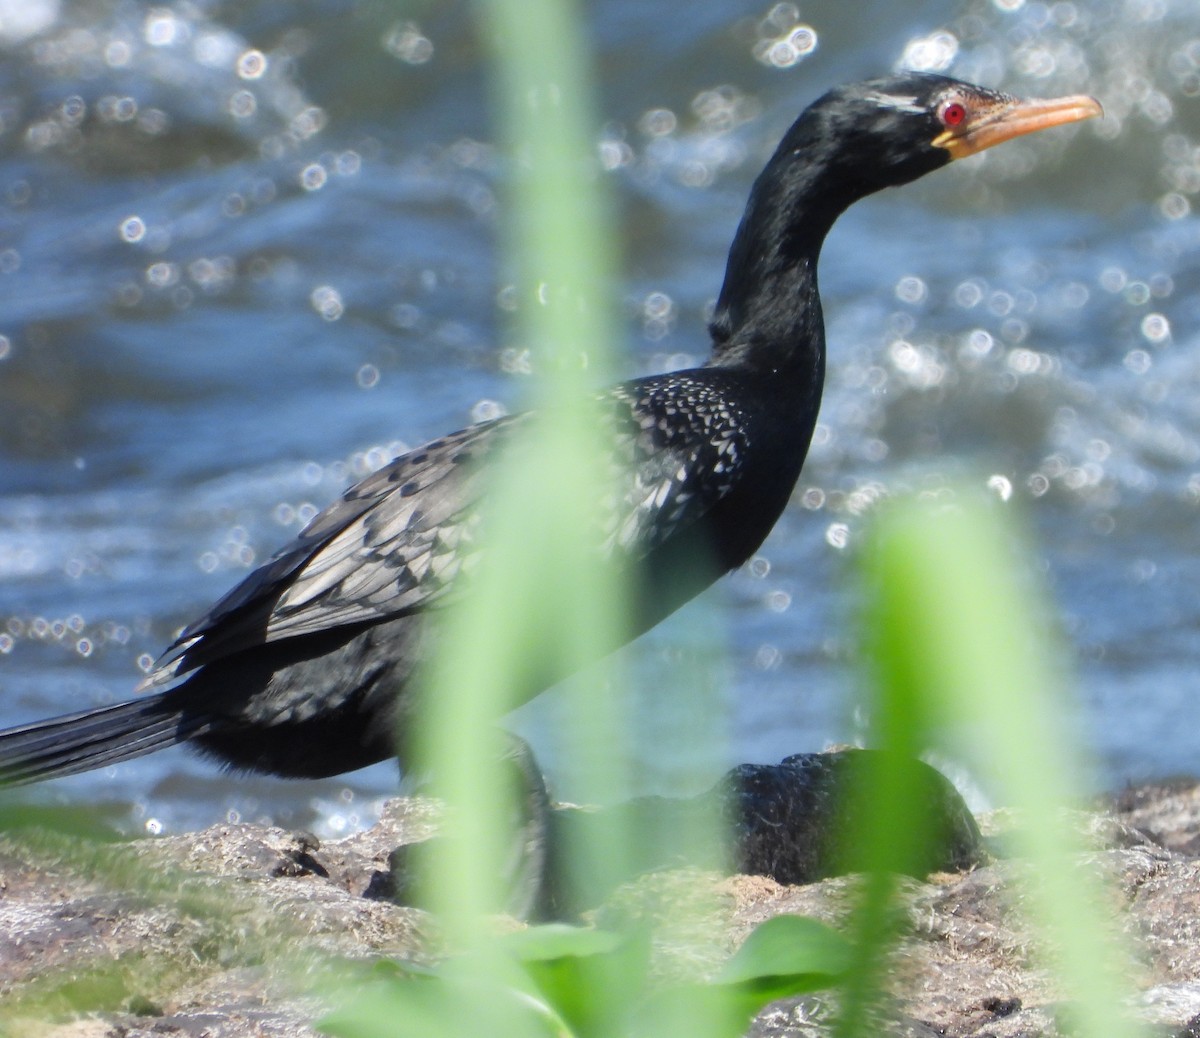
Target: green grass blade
(960, 643)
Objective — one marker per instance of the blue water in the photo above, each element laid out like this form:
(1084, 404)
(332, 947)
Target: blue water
(247, 253)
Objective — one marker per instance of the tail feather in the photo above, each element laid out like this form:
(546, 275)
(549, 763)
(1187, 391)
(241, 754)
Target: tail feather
(92, 739)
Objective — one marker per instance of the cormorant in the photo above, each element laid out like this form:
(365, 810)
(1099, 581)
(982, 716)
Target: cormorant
(304, 668)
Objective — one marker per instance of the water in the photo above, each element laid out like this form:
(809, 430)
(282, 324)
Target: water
(246, 258)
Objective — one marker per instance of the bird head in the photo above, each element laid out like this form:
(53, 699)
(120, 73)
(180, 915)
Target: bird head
(851, 142)
(891, 130)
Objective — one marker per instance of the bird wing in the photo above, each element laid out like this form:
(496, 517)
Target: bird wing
(390, 545)
(396, 542)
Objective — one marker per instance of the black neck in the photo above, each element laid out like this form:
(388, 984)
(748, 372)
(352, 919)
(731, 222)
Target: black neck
(768, 316)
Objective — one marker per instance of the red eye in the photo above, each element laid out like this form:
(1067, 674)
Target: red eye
(953, 114)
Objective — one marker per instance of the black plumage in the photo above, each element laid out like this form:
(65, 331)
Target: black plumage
(305, 668)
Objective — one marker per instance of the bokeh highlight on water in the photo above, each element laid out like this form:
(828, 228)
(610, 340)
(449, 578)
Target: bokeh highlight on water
(247, 254)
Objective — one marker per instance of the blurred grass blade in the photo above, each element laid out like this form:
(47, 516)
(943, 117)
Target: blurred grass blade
(542, 597)
(560, 238)
(960, 643)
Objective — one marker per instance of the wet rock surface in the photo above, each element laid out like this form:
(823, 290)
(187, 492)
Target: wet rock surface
(239, 930)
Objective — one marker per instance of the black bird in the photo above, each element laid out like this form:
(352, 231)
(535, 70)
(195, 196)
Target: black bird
(304, 668)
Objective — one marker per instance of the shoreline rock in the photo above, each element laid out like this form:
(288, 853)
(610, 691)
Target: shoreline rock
(221, 933)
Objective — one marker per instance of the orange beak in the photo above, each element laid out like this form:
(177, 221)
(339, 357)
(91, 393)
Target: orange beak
(1012, 117)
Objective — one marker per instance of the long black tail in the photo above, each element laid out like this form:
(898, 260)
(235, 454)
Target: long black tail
(93, 738)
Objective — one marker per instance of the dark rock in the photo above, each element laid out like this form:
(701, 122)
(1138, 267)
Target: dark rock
(785, 820)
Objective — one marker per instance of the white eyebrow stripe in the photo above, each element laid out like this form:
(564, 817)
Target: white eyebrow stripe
(903, 104)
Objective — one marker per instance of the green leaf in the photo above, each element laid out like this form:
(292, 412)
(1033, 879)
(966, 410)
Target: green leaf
(396, 1008)
(590, 978)
(718, 1010)
(416, 1006)
(784, 957)
(558, 940)
(788, 946)
(696, 1010)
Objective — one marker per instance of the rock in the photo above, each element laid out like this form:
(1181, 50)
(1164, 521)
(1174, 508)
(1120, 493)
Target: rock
(785, 821)
(227, 932)
(1167, 812)
(207, 933)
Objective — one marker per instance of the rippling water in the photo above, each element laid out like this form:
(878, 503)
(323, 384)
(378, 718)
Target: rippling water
(247, 254)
